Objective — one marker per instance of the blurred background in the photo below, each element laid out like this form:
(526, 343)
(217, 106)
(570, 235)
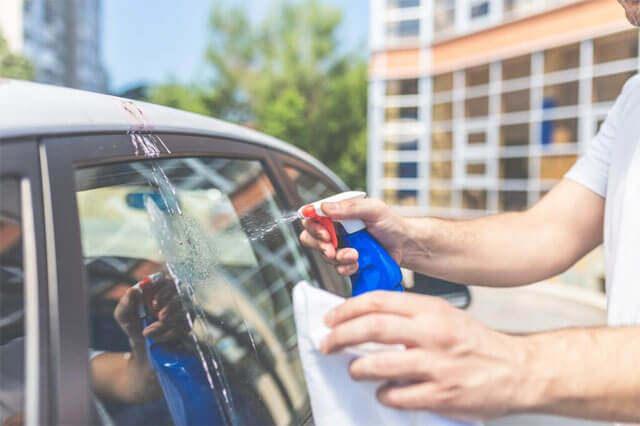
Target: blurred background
(453, 108)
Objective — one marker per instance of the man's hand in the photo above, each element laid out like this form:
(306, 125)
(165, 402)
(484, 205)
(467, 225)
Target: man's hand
(387, 227)
(453, 365)
(171, 322)
(129, 377)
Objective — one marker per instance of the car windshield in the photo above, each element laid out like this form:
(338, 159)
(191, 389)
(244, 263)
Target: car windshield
(211, 234)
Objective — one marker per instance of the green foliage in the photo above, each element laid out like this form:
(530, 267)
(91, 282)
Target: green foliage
(13, 65)
(179, 96)
(285, 76)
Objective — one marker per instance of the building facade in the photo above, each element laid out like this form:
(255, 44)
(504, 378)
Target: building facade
(480, 106)
(62, 38)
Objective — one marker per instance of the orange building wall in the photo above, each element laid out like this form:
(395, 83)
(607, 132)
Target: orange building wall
(564, 25)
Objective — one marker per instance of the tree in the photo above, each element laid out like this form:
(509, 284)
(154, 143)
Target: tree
(288, 78)
(13, 65)
(179, 96)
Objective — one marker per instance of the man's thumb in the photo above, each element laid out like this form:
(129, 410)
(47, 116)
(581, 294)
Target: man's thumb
(363, 208)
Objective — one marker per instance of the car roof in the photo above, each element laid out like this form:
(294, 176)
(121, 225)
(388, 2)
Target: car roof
(32, 109)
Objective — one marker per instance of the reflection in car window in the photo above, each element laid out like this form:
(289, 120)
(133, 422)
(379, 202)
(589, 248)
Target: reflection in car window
(188, 227)
(309, 187)
(12, 341)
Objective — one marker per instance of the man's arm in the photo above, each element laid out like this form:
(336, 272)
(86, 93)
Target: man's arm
(503, 250)
(588, 373)
(513, 248)
(125, 377)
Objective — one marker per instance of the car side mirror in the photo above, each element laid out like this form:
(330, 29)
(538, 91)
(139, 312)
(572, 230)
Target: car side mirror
(456, 294)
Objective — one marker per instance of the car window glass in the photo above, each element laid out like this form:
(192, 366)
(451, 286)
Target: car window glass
(310, 188)
(217, 255)
(12, 340)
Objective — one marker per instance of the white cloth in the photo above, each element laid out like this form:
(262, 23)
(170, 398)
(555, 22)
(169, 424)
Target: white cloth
(336, 399)
(611, 169)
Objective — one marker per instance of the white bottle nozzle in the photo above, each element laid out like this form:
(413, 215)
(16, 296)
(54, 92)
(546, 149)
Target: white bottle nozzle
(314, 210)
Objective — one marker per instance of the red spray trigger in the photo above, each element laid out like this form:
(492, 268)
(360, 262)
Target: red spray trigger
(309, 212)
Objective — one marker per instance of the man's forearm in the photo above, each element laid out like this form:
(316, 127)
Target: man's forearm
(125, 377)
(588, 373)
(509, 249)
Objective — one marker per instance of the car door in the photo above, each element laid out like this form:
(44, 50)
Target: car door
(209, 215)
(24, 325)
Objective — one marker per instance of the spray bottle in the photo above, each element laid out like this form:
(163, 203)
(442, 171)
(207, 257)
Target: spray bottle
(186, 388)
(376, 268)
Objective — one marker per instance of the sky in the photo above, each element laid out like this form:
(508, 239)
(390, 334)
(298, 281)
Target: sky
(155, 40)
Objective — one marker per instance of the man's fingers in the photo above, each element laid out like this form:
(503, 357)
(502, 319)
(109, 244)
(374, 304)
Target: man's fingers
(127, 305)
(367, 209)
(416, 396)
(347, 256)
(316, 230)
(327, 250)
(379, 328)
(389, 302)
(409, 365)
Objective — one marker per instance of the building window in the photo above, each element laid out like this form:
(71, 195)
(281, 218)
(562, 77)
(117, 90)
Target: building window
(562, 58)
(443, 83)
(409, 143)
(474, 199)
(516, 101)
(402, 4)
(608, 87)
(401, 113)
(441, 170)
(477, 76)
(408, 86)
(441, 140)
(512, 200)
(402, 197)
(514, 168)
(514, 68)
(615, 47)
(555, 167)
(514, 135)
(479, 8)
(444, 16)
(477, 107)
(403, 29)
(561, 95)
(442, 112)
(440, 198)
(476, 169)
(401, 170)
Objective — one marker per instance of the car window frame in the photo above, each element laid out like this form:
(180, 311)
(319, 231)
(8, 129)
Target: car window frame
(19, 159)
(61, 155)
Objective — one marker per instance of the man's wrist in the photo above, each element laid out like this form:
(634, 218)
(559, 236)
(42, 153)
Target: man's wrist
(537, 375)
(419, 233)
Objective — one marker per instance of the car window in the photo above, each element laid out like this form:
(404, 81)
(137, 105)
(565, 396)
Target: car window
(12, 339)
(215, 248)
(308, 186)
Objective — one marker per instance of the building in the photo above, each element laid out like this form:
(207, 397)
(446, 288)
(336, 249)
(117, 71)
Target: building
(479, 106)
(61, 38)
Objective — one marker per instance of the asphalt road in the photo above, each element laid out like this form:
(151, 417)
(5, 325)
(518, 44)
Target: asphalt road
(537, 308)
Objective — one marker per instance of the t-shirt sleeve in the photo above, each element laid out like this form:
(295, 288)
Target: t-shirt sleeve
(592, 169)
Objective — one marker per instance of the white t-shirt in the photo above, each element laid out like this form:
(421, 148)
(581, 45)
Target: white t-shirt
(611, 169)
